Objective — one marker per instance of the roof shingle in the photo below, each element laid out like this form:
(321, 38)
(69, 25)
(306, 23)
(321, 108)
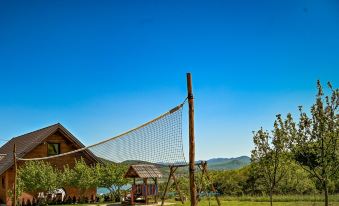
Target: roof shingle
(143, 171)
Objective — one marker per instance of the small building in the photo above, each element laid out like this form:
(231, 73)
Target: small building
(140, 193)
(48, 141)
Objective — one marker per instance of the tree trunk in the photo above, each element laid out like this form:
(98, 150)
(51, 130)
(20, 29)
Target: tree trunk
(119, 197)
(271, 197)
(326, 193)
(111, 193)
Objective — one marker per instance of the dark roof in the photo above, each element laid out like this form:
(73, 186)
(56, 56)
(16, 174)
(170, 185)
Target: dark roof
(143, 171)
(27, 142)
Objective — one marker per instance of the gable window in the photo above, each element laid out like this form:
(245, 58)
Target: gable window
(53, 149)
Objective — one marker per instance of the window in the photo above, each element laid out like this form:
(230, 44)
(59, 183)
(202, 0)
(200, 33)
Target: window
(53, 149)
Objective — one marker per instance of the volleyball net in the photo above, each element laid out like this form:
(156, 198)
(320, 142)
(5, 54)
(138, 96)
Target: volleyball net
(158, 141)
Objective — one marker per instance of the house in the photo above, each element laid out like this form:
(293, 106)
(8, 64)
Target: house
(51, 140)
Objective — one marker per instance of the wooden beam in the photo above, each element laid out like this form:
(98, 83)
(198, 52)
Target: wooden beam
(190, 98)
(186, 165)
(177, 188)
(172, 170)
(201, 179)
(209, 180)
(146, 190)
(157, 188)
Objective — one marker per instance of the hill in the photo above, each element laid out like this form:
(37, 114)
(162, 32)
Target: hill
(213, 164)
(228, 163)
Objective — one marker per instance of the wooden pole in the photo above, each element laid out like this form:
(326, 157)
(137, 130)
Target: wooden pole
(15, 175)
(193, 190)
(178, 189)
(156, 192)
(209, 179)
(201, 179)
(167, 185)
(146, 191)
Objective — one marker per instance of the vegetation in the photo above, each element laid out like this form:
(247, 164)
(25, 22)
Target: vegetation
(295, 158)
(39, 176)
(111, 176)
(298, 161)
(315, 140)
(81, 176)
(270, 156)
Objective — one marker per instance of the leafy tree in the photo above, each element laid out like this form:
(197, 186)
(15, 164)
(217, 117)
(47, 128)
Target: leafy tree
(296, 181)
(270, 155)
(230, 182)
(38, 176)
(81, 176)
(315, 139)
(111, 176)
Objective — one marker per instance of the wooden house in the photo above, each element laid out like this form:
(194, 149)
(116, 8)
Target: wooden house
(51, 140)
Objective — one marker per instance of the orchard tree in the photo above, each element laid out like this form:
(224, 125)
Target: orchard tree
(37, 176)
(82, 176)
(111, 176)
(270, 156)
(315, 138)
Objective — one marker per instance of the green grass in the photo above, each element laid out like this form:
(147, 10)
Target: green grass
(234, 203)
(242, 203)
(284, 198)
(279, 200)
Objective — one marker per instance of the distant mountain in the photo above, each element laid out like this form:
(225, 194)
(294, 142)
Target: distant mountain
(228, 163)
(213, 164)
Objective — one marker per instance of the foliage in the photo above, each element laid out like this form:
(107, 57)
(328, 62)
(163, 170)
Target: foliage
(38, 176)
(81, 176)
(111, 176)
(270, 155)
(19, 190)
(230, 182)
(296, 181)
(315, 139)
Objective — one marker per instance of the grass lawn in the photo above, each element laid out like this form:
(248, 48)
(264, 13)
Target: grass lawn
(245, 203)
(229, 203)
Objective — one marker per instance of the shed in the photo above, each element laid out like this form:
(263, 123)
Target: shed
(141, 192)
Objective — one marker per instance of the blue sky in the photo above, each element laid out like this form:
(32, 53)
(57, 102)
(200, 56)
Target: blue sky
(103, 67)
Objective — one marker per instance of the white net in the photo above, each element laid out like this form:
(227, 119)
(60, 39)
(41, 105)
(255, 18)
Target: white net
(158, 141)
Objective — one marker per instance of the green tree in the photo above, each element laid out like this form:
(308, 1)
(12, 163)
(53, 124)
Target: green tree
(314, 139)
(38, 176)
(270, 155)
(111, 176)
(82, 176)
(296, 181)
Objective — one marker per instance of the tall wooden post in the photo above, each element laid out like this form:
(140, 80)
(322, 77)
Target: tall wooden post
(193, 191)
(15, 175)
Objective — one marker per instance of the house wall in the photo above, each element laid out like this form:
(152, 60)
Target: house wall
(3, 187)
(41, 151)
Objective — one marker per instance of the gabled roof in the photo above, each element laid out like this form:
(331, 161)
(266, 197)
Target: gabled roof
(27, 142)
(143, 171)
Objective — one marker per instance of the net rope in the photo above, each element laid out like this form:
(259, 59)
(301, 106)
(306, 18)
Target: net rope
(158, 141)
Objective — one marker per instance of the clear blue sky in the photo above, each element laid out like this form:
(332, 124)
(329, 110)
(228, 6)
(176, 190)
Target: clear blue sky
(103, 67)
